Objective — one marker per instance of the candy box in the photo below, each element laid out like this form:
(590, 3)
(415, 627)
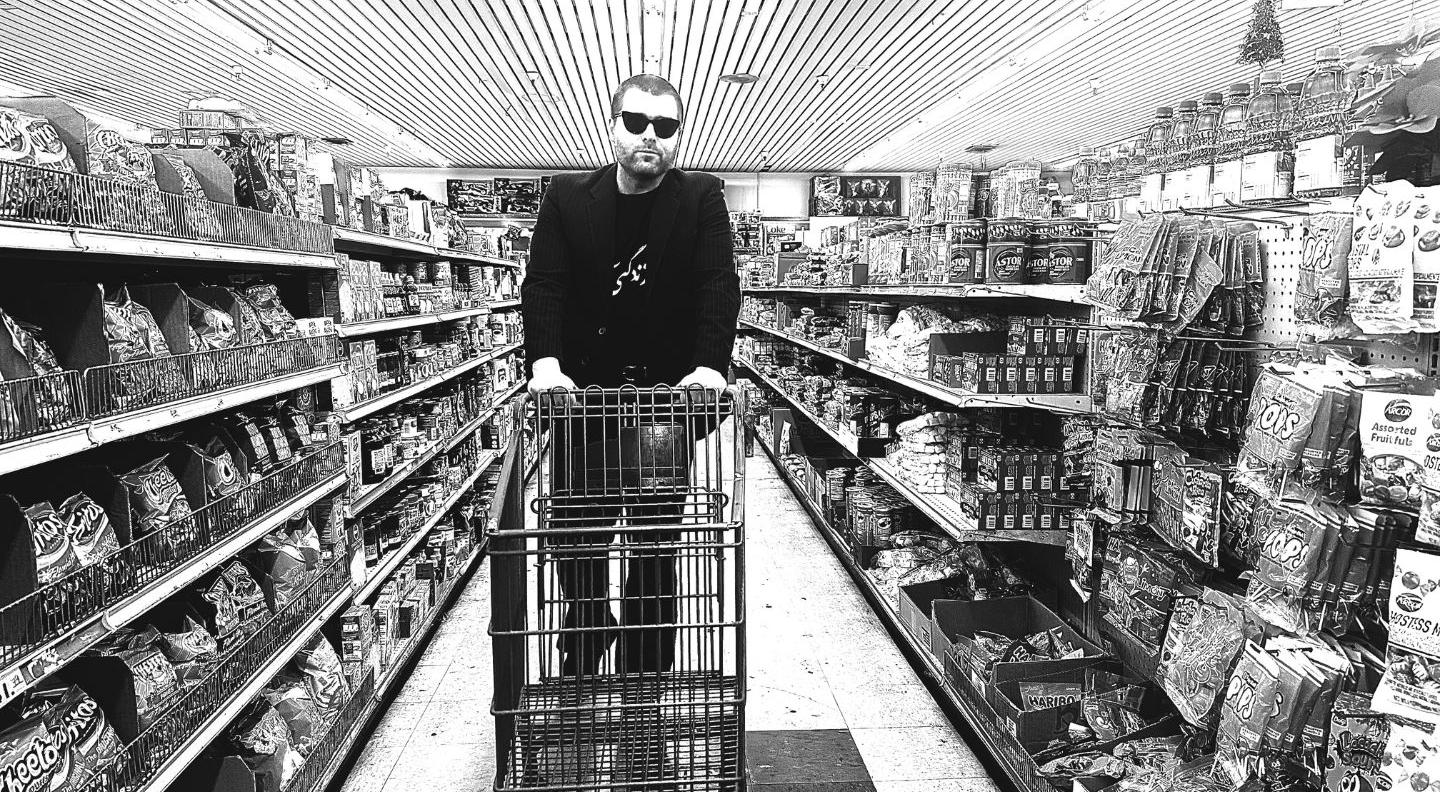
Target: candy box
(1037, 720)
(956, 623)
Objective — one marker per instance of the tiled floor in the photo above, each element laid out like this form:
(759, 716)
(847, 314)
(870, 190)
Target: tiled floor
(820, 661)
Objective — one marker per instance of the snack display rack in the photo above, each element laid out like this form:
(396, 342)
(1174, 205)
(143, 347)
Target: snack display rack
(91, 224)
(1053, 292)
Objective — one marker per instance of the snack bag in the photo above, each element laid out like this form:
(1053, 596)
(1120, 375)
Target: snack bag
(91, 533)
(88, 738)
(1358, 738)
(1323, 287)
(1411, 761)
(1382, 275)
(157, 502)
(292, 700)
(1250, 699)
(323, 675)
(210, 327)
(222, 476)
(156, 684)
(1046, 695)
(1409, 687)
(193, 651)
(51, 403)
(263, 740)
(54, 554)
(276, 321)
(1205, 634)
(1425, 236)
(1396, 438)
(284, 572)
(1282, 409)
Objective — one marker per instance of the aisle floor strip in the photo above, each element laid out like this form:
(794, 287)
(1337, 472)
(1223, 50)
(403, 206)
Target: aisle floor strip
(943, 509)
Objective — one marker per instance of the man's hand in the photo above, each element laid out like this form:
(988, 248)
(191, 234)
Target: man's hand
(706, 378)
(545, 374)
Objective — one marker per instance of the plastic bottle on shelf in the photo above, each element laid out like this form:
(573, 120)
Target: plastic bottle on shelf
(1176, 161)
(1200, 150)
(1136, 169)
(1269, 165)
(1102, 183)
(1227, 180)
(1156, 138)
(1322, 118)
(1082, 174)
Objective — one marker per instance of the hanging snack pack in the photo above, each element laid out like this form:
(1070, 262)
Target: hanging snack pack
(222, 476)
(1283, 407)
(91, 533)
(1409, 759)
(154, 679)
(1425, 257)
(291, 699)
(1205, 635)
(262, 738)
(210, 327)
(1323, 286)
(49, 400)
(324, 676)
(1396, 438)
(1382, 274)
(1250, 700)
(1358, 737)
(156, 503)
(1412, 666)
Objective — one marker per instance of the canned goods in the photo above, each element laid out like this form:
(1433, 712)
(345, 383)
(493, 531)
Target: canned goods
(966, 262)
(1007, 250)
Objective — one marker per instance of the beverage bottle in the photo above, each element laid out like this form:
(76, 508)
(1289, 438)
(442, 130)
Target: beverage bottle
(1321, 122)
(1200, 150)
(1102, 182)
(1120, 171)
(1139, 166)
(1176, 162)
(1227, 179)
(1156, 139)
(1082, 174)
(1269, 165)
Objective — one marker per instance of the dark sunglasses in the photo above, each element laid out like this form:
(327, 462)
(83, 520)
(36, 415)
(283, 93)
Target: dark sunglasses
(635, 123)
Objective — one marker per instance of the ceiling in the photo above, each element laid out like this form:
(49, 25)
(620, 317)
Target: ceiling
(901, 84)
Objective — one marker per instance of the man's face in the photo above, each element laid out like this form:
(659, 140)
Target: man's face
(645, 154)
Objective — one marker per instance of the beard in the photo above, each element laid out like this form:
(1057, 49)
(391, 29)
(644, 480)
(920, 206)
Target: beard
(645, 167)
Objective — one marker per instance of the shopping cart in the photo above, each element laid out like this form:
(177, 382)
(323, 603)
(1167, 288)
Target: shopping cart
(618, 612)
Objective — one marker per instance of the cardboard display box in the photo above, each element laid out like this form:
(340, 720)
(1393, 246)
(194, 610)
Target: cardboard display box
(957, 621)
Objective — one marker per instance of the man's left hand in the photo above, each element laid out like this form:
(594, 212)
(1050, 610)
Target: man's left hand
(706, 378)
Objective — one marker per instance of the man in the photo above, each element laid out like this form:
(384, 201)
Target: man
(631, 281)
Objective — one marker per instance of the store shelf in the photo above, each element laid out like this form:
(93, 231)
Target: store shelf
(1057, 402)
(393, 673)
(36, 450)
(355, 329)
(51, 656)
(371, 406)
(980, 718)
(72, 241)
(366, 243)
(197, 741)
(390, 563)
(943, 509)
(372, 493)
(1054, 292)
(500, 305)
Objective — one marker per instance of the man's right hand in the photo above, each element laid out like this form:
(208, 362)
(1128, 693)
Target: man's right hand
(545, 375)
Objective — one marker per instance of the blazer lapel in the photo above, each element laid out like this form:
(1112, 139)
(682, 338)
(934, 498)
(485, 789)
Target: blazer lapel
(662, 221)
(600, 213)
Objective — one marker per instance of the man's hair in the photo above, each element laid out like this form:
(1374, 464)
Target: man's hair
(650, 84)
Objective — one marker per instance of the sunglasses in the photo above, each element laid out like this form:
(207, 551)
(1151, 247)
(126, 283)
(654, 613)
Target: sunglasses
(635, 123)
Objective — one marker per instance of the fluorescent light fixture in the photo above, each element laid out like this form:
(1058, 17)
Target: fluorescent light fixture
(739, 78)
(1039, 50)
(207, 15)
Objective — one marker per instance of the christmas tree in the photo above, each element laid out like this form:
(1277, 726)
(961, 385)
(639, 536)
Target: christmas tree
(1262, 41)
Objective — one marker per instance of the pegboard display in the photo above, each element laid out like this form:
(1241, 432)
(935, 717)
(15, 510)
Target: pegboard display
(1284, 248)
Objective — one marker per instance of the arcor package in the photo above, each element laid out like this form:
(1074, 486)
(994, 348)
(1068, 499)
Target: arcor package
(1412, 664)
(1398, 440)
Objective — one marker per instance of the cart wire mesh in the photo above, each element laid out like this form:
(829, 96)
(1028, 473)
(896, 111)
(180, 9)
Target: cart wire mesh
(618, 597)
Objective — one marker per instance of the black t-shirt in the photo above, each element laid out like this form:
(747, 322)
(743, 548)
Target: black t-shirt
(630, 274)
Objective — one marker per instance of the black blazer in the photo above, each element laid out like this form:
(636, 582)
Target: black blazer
(694, 295)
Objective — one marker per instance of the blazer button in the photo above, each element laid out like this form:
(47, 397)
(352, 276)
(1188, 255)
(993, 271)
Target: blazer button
(601, 331)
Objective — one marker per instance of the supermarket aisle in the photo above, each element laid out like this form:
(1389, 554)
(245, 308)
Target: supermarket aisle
(833, 704)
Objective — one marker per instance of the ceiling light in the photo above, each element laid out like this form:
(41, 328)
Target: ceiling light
(860, 66)
(236, 70)
(981, 148)
(337, 140)
(750, 12)
(1094, 86)
(822, 80)
(740, 78)
(532, 76)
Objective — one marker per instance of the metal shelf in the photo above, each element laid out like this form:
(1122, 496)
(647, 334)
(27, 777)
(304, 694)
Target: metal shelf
(392, 674)
(1054, 292)
(372, 493)
(198, 741)
(355, 329)
(371, 406)
(392, 562)
(1056, 402)
(503, 304)
(982, 720)
(50, 657)
(32, 451)
(71, 241)
(943, 509)
(367, 243)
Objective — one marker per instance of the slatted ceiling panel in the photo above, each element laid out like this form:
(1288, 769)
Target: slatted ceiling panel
(151, 59)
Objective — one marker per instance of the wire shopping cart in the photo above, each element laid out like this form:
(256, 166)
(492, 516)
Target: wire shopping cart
(618, 614)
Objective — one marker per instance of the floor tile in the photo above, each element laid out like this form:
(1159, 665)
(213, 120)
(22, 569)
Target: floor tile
(916, 753)
(372, 770)
(450, 722)
(397, 723)
(421, 685)
(453, 768)
(807, 757)
(879, 706)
